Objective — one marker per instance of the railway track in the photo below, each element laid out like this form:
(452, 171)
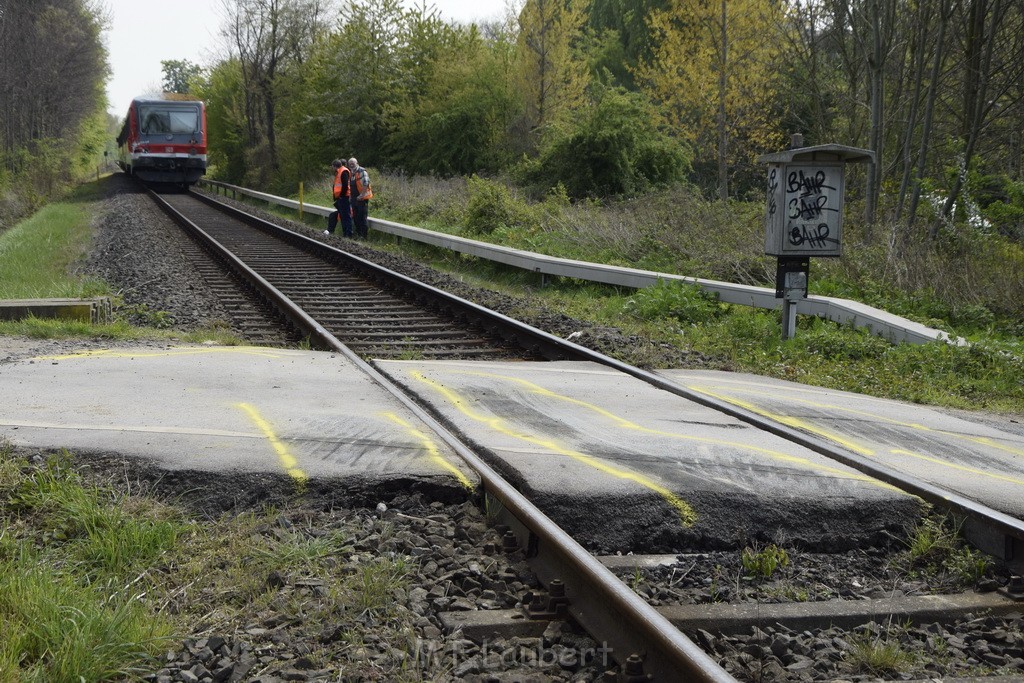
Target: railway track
(373, 312)
(340, 302)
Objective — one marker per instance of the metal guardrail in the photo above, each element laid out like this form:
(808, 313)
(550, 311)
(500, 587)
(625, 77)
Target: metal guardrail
(844, 311)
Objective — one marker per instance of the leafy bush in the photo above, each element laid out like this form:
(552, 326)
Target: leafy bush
(674, 299)
(492, 206)
(612, 149)
(763, 563)
(1006, 211)
(854, 345)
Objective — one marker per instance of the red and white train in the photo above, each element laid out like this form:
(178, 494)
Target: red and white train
(164, 141)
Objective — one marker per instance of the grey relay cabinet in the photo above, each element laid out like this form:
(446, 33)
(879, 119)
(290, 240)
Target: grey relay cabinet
(804, 213)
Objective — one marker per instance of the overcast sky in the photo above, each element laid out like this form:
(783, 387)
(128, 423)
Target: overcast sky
(143, 33)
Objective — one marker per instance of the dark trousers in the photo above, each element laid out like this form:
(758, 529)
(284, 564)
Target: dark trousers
(360, 212)
(344, 210)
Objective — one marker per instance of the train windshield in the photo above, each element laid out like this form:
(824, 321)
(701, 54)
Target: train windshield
(179, 121)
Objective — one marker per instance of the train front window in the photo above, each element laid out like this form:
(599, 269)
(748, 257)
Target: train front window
(174, 121)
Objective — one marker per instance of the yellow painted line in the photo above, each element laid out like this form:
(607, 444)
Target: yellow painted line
(686, 513)
(432, 449)
(791, 421)
(628, 424)
(962, 468)
(982, 440)
(287, 460)
(110, 353)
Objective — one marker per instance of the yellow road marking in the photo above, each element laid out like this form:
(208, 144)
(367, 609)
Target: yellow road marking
(628, 424)
(895, 451)
(432, 449)
(791, 421)
(983, 440)
(287, 460)
(686, 513)
(110, 353)
(962, 468)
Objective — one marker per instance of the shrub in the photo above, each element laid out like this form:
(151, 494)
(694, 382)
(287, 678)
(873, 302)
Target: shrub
(492, 206)
(674, 299)
(763, 563)
(612, 149)
(846, 344)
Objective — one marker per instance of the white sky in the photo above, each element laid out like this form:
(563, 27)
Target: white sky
(142, 33)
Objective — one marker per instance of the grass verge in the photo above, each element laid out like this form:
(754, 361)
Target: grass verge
(99, 579)
(37, 258)
(73, 563)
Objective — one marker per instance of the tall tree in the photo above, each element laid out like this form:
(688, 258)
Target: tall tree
(49, 98)
(269, 37)
(554, 77)
(179, 74)
(715, 70)
(355, 78)
(986, 82)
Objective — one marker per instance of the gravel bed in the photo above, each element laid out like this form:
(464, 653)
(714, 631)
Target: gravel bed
(449, 551)
(136, 249)
(975, 647)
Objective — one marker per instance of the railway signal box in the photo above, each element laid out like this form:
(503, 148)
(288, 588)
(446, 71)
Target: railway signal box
(804, 215)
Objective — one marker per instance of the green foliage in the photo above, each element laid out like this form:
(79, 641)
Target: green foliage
(224, 94)
(685, 302)
(36, 255)
(458, 124)
(492, 206)
(871, 653)
(936, 548)
(353, 80)
(179, 75)
(158, 319)
(1002, 203)
(66, 554)
(611, 148)
(103, 539)
(47, 143)
(763, 563)
(855, 345)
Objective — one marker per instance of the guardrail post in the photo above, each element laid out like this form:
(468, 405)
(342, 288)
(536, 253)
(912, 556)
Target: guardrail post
(300, 200)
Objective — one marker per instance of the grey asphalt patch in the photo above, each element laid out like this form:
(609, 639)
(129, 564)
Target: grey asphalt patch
(304, 414)
(623, 465)
(977, 458)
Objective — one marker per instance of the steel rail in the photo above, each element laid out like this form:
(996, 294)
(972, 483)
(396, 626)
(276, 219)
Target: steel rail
(528, 337)
(611, 612)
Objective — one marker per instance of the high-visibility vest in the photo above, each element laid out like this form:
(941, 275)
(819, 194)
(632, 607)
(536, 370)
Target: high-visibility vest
(361, 185)
(341, 187)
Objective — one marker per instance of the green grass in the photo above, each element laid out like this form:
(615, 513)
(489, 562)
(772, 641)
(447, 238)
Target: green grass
(37, 258)
(937, 550)
(71, 560)
(874, 654)
(97, 580)
(37, 255)
(38, 328)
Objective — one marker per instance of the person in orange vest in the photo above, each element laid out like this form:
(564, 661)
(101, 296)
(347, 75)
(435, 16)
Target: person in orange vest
(361, 196)
(342, 193)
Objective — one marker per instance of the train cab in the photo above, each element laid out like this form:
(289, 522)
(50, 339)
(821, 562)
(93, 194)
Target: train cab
(164, 141)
